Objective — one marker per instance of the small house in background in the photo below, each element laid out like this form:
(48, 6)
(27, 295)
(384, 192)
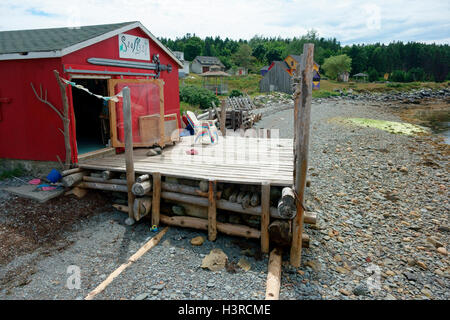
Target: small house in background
(264, 70)
(185, 70)
(202, 64)
(278, 76)
(343, 76)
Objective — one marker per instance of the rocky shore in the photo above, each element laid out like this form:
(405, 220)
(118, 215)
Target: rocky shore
(382, 232)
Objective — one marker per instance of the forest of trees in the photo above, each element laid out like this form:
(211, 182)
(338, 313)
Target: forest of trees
(405, 62)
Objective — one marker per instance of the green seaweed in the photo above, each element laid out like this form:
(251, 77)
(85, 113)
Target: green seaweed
(390, 126)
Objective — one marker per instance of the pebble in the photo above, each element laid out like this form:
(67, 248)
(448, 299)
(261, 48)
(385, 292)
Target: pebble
(142, 296)
(197, 241)
(361, 290)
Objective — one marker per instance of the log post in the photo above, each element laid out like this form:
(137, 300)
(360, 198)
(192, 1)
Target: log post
(70, 171)
(141, 207)
(143, 178)
(212, 212)
(156, 198)
(274, 275)
(287, 204)
(302, 117)
(141, 188)
(223, 118)
(107, 174)
(265, 216)
(128, 150)
(70, 180)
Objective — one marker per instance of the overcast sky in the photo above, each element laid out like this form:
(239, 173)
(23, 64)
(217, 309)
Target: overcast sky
(350, 21)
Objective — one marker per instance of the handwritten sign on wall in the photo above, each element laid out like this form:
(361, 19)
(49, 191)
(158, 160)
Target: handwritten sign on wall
(133, 47)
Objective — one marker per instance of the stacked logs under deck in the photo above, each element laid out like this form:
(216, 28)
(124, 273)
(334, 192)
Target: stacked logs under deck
(252, 211)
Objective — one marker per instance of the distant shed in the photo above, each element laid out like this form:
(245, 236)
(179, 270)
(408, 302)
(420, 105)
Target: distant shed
(277, 78)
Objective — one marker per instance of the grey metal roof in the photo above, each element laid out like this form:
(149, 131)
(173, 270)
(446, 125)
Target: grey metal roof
(35, 40)
(209, 60)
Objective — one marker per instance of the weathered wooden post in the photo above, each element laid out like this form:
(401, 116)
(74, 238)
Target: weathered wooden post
(156, 201)
(265, 216)
(128, 152)
(223, 118)
(212, 212)
(302, 117)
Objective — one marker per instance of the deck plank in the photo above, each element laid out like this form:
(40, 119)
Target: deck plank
(233, 159)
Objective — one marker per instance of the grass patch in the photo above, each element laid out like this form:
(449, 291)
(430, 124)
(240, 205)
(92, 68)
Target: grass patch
(361, 87)
(184, 106)
(248, 84)
(16, 172)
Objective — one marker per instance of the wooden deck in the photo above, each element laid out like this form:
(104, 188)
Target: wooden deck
(234, 159)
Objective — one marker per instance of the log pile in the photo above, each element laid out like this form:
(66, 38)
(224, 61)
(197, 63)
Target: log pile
(236, 209)
(238, 113)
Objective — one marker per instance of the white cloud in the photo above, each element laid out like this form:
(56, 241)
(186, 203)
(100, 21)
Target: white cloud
(349, 20)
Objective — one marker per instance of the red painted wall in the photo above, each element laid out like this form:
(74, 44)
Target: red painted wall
(28, 127)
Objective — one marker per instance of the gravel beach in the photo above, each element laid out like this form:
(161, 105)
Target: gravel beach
(382, 232)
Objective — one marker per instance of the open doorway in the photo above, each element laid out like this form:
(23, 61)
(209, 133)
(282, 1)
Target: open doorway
(91, 116)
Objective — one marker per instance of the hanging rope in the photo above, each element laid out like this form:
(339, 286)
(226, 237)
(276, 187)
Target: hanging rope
(114, 98)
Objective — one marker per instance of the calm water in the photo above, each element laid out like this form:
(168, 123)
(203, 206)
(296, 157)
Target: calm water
(446, 132)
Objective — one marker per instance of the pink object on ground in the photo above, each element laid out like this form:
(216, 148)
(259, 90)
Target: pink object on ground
(35, 181)
(48, 188)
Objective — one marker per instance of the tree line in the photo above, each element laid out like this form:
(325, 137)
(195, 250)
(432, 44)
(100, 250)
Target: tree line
(412, 61)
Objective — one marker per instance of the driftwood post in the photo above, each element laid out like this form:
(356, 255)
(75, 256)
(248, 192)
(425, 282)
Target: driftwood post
(265, 216)
(156, 202)
(223, 117)
(128, 150)
(274, 275)
(63, 115)
(66, 121)
(212, 212)
(302, 114)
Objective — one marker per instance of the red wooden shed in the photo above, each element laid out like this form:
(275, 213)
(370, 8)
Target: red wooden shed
(101, 58)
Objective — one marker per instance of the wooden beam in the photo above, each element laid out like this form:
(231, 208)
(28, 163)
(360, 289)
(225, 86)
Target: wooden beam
(103, 186)
(128, 129)
(156, 198)
(146, 247)
(72, 179)
(101, 180)
(202, 224)
(302, 119)
(223, 204)
(212, 212)
(223, 117)
(70, 171)
(274, 275)
(265, 216)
